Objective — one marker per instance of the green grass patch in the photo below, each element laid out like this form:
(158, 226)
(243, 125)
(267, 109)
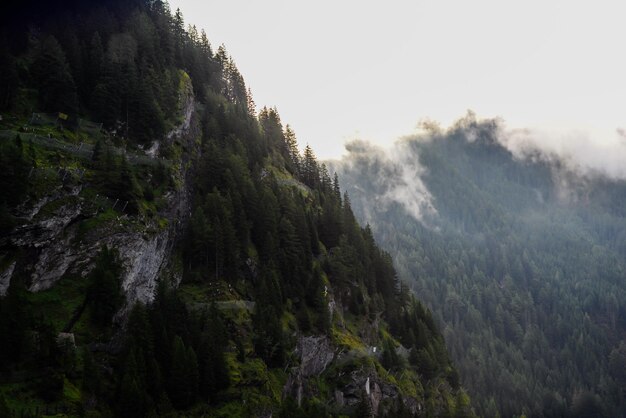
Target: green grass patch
(409, 384)
(277, 380)
(385, 375)
(347, 340)
(194, 293)
(234, 369)
(288, 322)
(230, 410)
(70, 392)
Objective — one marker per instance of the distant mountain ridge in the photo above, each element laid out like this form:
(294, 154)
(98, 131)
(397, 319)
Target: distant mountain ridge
(520, 259)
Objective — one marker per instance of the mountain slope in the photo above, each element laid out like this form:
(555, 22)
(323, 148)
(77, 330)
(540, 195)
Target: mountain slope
(166, 251)
(521, 261)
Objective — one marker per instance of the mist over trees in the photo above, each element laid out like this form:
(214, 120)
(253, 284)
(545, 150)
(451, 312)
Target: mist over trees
(521, 261)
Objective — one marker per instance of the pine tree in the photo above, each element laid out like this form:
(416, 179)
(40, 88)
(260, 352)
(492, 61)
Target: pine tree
(108, 94)
(192, 373)
(104, 294)
(131, 399)
(214, 374)
(310, 168)
(390, 359)
(95, 64)
(294, 153)
(178, 381)
(14, 324)
(268, 339)
(9, 80)
(127, 189)
(205, 45)
(57, 91)
(145, 118)
(250, 104)
(178, 29)
(91, 381)
(14, 173)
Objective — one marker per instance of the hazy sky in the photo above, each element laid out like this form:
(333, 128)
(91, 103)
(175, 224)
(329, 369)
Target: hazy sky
(345, 69)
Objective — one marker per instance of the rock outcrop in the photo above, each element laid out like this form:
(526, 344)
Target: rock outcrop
(5, 278)
(54, 246)
(317, 355)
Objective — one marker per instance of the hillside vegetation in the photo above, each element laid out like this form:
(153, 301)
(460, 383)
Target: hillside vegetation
(520, 259)
(167, 251)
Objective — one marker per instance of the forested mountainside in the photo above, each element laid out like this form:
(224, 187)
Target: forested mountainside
(165, 251)
(520, 259)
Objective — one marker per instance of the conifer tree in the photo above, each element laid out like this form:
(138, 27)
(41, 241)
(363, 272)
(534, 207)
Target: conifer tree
(14, 173)
(94, 64)
(13, 324)
(310, 168)
(177, 379)
(127, 189)
(9, 80)
(294, 153)
(105, 293)
(57, 91)
(131, 398)
(214, 374)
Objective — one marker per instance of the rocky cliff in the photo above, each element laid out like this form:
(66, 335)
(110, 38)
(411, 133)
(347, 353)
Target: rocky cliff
(52, 240)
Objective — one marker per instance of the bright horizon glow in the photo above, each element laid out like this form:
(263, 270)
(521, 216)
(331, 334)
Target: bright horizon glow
(337, 71)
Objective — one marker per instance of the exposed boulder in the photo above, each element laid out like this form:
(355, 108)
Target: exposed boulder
(5, 278)
(316, 353)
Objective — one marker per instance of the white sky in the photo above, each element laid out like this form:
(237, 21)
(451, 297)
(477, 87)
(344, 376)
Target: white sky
(345, 69)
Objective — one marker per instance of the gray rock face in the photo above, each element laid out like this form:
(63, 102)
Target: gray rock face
(339, 398)
(376, 395)
(5, 278)
(48, 243)
(56, 250)
(368, 385)
(51, 238)
(66, 339)
(316, 353)
(143, 259)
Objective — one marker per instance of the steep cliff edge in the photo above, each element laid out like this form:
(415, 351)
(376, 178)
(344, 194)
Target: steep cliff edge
(61, 231)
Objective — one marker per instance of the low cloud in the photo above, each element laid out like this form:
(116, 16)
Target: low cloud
(382, 176)
(577, 151)
(395, 176)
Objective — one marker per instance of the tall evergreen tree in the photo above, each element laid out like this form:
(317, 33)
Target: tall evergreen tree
(14, 173)
(57, 91)
(105, 293)
(310, 168)
(9, 80)
(183, 381)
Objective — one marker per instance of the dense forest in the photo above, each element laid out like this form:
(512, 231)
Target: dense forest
(520, 259)
(126, 136)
